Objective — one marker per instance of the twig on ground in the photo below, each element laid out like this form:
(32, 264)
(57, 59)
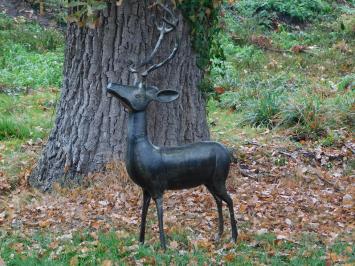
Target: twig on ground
(288, 154)
(246, 174)
(324, 180)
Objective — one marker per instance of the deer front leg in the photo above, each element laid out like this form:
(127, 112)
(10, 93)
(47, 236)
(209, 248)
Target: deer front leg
(159, 204)
(146, 201)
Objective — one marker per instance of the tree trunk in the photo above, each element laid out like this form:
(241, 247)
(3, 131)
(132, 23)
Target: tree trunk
(91, 126)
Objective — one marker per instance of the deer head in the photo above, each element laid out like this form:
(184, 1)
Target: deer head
(137, 98)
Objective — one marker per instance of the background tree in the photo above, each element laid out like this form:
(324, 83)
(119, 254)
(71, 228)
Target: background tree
(90, 126)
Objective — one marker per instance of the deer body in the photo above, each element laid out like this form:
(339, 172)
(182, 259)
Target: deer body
(156, 169)
(169, 168)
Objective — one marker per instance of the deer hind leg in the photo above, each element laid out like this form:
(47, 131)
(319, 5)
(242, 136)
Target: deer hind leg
(159, 205)
(146, 201)
(223, 194)
(220, 213)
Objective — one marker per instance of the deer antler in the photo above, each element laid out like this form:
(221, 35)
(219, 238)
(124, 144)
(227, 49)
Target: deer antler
(168, 24)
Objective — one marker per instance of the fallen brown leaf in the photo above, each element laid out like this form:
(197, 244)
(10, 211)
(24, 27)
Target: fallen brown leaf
(107, 263)
(74, 261)
(174, 244)
(229, 257)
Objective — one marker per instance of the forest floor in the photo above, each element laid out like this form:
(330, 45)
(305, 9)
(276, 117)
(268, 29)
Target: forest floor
(293, 199)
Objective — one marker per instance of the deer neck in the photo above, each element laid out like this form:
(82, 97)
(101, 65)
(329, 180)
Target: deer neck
(137, 126)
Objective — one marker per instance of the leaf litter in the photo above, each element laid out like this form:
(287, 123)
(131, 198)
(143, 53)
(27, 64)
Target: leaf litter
(283, 190)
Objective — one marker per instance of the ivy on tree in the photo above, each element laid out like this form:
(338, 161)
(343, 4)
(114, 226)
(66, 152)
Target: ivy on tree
(201, 14)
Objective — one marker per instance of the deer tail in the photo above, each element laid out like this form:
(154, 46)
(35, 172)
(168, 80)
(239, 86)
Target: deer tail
(232, 151)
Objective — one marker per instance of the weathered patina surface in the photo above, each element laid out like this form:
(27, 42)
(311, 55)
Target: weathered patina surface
(157, 169)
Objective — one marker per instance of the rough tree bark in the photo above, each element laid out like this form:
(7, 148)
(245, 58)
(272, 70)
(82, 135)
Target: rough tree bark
(90, 127)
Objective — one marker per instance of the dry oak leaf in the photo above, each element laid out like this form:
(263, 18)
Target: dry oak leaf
(74, 261)
(203, 243)
(229, 257)
(174, 244)
(107, 263)
(219, 90)
(44, 224)
(299, 49)
(54, 244)
(122, 234)
(4, 185)
(149, 261)
(18, 247)
(261, 41)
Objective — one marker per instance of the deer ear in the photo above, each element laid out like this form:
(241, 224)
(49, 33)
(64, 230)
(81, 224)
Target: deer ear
(167, 96)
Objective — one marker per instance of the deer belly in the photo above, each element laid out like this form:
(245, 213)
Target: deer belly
(185, 181)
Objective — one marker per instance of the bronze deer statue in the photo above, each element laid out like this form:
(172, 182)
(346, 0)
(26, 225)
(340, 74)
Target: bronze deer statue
(156, 169)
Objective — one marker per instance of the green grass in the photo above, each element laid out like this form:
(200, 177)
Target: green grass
(31, 61)
(310, 93)
(25, 120)
(34, 123)
(30, 55)
(83, 248)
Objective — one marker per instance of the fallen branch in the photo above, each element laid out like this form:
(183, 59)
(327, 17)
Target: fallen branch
(350, 145)
(288, 154)
(324, 180)
(246, 174)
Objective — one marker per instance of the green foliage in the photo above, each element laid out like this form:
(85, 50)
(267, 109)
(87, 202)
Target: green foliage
(265, 109)
(27, 69)
(6, 23)
(281, 102)
(31, 60)
(30, 55)
(304, 113)
(201, 14)
(30, 35)
(11, 127)
(259, 101)
(295, 11)
(347, 82)
(32, 124)
(310, 94)
(203, 17)
(311, 116)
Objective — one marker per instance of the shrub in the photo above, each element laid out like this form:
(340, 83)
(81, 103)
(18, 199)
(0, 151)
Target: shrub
(264, 110)
(340, 111)
(259, 101)
(304, 113)
(311, 116)
(294, 11)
